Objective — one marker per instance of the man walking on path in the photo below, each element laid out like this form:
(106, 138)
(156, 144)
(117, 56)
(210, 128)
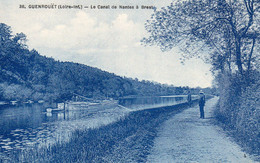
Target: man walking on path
(202, 104)
(189, 98)
(185, 138)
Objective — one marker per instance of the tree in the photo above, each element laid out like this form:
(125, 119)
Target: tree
(5, 33)
(8, 41)
(20, 40)
(228, 30)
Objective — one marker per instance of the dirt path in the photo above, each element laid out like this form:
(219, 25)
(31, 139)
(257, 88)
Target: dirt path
(186, 138)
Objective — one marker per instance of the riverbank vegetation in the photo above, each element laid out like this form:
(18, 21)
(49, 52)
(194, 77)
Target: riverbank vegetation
(27, 75)
(127, 140)
(225, 34)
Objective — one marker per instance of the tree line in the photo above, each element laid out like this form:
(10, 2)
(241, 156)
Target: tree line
(25, 74)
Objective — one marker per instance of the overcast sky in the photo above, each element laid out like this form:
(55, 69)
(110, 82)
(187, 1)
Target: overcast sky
(106, 39)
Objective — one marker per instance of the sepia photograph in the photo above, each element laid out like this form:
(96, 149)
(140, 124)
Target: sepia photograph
(116, 81)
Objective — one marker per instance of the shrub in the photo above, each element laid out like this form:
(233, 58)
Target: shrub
(239, 108)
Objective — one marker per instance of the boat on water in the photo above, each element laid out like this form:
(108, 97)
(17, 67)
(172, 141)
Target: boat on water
(51, 110)
(79, 105)
(3, 103)
(28, 102)
(88, 105)
(41, 101)
(13, 102)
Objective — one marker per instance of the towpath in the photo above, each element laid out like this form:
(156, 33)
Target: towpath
(186, 138)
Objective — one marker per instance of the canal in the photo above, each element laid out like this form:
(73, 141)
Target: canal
(30, 126)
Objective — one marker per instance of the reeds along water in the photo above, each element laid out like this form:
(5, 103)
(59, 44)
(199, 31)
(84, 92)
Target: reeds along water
(33, 128)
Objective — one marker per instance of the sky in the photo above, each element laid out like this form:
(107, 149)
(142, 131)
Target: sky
(108, 39)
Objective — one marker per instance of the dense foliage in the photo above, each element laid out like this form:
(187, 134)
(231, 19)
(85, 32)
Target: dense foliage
(227, 30)
(238, 109)
(25, 74)
(228, 33)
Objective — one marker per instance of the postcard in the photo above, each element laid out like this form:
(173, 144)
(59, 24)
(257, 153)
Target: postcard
(129, 81)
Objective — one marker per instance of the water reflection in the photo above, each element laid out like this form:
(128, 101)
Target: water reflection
(31, 125)
(26, 126)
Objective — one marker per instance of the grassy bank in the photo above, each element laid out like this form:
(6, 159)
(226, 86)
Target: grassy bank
(128, 139)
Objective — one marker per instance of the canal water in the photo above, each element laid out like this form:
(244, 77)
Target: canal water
(31, 126)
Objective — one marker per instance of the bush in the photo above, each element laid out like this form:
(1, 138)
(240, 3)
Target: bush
(239, 108)
(248, 114)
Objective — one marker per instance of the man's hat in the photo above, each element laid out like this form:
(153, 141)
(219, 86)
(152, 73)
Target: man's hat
(201, 91)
